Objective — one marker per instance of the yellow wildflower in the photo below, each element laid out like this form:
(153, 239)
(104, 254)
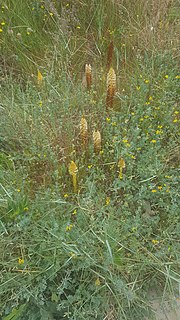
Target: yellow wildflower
(153, 141)
(97, 282)
(155, 241)
(69, 227)
(153, 190)
(20, 261)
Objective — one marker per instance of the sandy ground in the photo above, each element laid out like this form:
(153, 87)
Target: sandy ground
(169, 309)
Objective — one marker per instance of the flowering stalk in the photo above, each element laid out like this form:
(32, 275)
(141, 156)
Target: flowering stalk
(88, 73)
(121, 165)
(73, 171)
(97, 141)
(111, 87)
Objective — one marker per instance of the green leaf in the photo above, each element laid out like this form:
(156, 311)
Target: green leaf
(15, 313)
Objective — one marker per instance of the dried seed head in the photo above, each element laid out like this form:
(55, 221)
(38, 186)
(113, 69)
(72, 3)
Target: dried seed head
(97, 141)
(73, 168)
(88, 73)
(111, 87)
(84, 130)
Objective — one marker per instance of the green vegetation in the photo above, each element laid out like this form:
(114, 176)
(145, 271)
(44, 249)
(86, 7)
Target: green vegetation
(87, 241)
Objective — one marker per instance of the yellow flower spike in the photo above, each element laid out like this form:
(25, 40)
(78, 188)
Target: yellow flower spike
(39, 78)
(73, 172)
(121, 165)
(84, 131)
(88, 74)
(97, 141)
(111, 87)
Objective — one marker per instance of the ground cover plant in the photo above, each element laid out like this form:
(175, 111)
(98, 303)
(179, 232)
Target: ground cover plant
(89, 158)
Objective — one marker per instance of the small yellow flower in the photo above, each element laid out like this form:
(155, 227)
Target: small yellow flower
(97, 282)
(146, 81)
(90, 166)
(20, 261)
(141, 119)
(132, 113)
(146, 117)
(159, 187)
(177, 77)
(113, 124)
(175, 120)
(40, 103)
(168, 177)
(108, 119)
(73, 255)
(153, 141)
(166, 76)
(159, 131)
(51, 14)
(74, 212)
(147, 102)
(69, 227)
(101, 152)
(78, 27)
(150, 98)
(1, 30)
(66, 195)
(138, 88)
(125, 141)
(176, 112)
(167, 190)
(26, 208)
(155, 241)
(3, 23)
(107, 201)
(18, 190)
(153, 190)
(159, 127)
